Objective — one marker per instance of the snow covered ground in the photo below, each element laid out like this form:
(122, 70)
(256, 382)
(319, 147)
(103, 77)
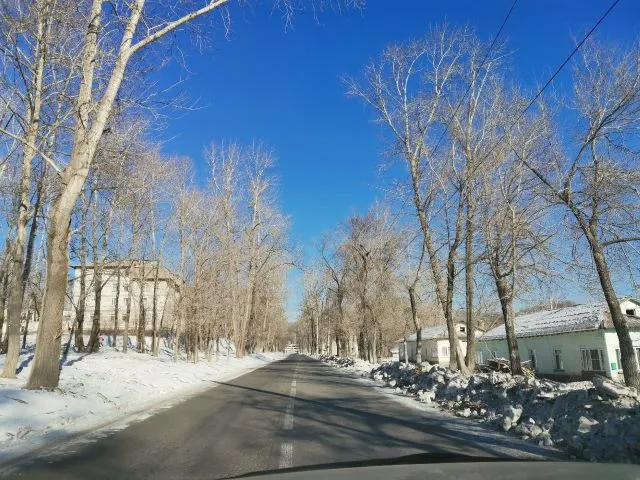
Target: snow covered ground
(100, 389)
(597, 420)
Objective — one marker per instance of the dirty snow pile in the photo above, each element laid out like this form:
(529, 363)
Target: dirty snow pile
(597, 421)
(352, 365)
(101, 388)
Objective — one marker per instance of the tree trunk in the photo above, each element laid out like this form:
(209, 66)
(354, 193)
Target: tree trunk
(16, 293)
(116, 308)
(506, 302)
(125, 333)
(3, 302)
(454, 361)
(26, 329)
(80, 308)
(627, 354)
(416, 324)
(14, 310)
(154, 313)
(374, 346)
(181, 293)
(405, 352)
(45, 371)
(468, 260)
(28, 261)
(4, 282)
(142, 320)
(94, 337)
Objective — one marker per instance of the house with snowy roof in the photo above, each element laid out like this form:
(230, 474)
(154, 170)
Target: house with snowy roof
(435, 344)
(569, 343)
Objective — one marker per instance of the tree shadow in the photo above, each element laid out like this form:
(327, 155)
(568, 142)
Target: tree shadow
(24, 363)
(68, 363)
(238, 428)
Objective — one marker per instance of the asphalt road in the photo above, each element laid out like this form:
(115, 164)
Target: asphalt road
(292, 413)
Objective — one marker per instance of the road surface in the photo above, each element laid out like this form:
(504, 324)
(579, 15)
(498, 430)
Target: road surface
(292, 413)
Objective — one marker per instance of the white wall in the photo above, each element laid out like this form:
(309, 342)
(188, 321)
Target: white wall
(629, 305)
(612, 344)
(428, 353)
(166, 298)
(570, 344)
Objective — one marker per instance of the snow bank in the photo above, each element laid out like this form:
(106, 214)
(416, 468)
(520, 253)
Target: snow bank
(101, 388)
(352, 365)
(597, 421)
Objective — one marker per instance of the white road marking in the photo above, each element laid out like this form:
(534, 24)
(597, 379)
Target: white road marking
(286, 449)
(288, 416)
(286, 455)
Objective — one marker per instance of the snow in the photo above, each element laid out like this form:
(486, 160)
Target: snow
(99, 389)
(439, 331)
(597, 420)
(562, 320)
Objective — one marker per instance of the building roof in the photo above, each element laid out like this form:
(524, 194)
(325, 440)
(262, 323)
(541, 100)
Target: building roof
(432, 333)
(136, 268)
(578, 318)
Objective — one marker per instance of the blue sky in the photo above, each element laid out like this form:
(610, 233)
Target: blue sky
(283, 88)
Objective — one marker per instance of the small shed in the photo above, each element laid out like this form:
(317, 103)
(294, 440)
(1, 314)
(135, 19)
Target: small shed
(435, 343)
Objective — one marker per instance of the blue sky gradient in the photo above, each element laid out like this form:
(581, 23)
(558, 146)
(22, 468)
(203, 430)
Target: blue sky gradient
(283, 87)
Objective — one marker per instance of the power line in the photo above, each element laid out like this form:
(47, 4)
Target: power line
(484, 59)
(541, 91)
(552, 78)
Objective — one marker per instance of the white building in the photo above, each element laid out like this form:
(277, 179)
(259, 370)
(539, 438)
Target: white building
(569, 343)
(435, 344)
(133, 275)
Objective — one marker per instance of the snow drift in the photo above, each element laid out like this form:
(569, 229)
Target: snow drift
(597, 421)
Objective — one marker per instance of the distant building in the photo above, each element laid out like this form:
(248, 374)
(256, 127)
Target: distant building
(435, 344)
(568, 343)
(133, 275)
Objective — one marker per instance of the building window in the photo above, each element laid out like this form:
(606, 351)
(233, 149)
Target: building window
(532, 357)
(558, 359)
(592, 360)
(434, 352)
(445, 351)
(631, 311)
(479, 359)
(463, 329)
(619, 356)
(494, 354)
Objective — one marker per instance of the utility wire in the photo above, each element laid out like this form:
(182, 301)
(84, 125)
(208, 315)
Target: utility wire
(552, 78)
(484, 59)
(541, 91)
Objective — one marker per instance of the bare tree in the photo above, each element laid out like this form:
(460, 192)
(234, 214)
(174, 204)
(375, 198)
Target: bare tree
(90, 123)
(409, 89)
(515, 231)
(597, 180)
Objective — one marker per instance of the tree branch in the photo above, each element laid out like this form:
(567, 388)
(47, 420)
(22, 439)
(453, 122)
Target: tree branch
(176, 23)
(620, 240)
(24, 142)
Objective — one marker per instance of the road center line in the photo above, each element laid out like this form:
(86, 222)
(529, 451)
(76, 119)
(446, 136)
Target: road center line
(286, 448)
(286, 455)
